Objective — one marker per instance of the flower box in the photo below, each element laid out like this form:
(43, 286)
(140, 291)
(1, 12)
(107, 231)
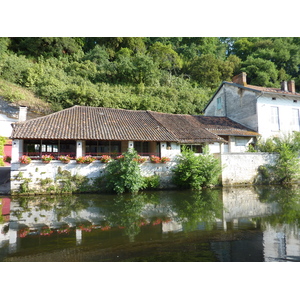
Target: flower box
(165, 159)
(89, 159)
(155, 159)
(85, 159)
(140, 159)
(65, 158)
(24, 159)
(105, 158)
(47, 158)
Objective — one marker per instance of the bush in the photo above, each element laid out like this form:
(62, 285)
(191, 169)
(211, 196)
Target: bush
(123, 174)
(151, 182)
(286, 169)
(196, 172)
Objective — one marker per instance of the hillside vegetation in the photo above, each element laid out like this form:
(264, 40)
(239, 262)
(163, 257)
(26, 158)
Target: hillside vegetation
(166, 74)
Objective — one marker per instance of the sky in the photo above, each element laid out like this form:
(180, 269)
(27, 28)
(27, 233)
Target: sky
(152, 18)
(148, 18)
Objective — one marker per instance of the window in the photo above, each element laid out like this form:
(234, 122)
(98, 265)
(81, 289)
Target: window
(241, 141)
(194, 148)
(102, 147)
(295, 119)
(38, 147)
(142, 148)
(219, 103)
(49, 147)
(275, 118)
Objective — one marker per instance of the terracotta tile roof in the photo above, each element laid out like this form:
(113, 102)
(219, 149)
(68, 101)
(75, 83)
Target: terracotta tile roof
(269, 89)
(98, 123)
(93, 123)
(225, 126)
(186, 128)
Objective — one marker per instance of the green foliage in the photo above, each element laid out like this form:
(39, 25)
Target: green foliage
(286, 169)
(151, 182)
(2, 143)
(200, 206)
(209, 71)
(196, 172)
(123, 175)
(167, 74)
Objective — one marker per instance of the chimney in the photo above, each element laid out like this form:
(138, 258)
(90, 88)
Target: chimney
(291, 86)
(284, 86)
(240, 79)
(22, 113)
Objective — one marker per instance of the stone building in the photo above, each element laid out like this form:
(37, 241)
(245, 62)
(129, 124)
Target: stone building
(268, 111)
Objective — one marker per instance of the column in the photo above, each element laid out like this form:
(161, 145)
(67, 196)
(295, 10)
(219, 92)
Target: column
(79, 148)
(163, 149)
(16, 151)
(130, 145)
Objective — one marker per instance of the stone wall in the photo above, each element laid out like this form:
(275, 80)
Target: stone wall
(242, 168)
(38, 173)
(238, 169)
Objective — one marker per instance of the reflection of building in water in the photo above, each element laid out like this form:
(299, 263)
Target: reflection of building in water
(241, 206)
(281, 242)
(245, 203)
(243, 237)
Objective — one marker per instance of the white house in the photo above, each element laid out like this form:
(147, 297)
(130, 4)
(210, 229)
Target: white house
(269, 111)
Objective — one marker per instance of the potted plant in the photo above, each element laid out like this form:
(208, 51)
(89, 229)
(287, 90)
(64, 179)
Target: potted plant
(65, 158)
(140, 159)
(89, 159)
(80, 160)
(47, 158)
(105, 158)
(85, 159)
(155, 159)
(24, 159)
(165, 159)
(7, 159)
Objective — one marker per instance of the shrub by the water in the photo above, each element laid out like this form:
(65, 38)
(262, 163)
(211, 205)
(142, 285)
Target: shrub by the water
(196, 172)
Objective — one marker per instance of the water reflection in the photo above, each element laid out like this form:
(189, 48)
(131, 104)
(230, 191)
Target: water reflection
(229, 224)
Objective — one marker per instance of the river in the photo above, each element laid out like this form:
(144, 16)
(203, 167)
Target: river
(246, 224)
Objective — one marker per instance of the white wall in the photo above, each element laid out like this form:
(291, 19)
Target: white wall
(285, 106)
(37, 170)
(242, 168)
(5, 125)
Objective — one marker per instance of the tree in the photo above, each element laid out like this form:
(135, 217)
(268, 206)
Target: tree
(45, 46)
(165, 56)
(260, 72)
(209, 71)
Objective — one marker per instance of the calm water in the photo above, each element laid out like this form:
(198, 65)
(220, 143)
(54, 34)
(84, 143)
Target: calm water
(222, 225)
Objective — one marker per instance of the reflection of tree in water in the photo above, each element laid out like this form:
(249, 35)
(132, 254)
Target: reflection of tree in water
(125, 212)
(288, 201)
(63, 205)
(200, 206)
